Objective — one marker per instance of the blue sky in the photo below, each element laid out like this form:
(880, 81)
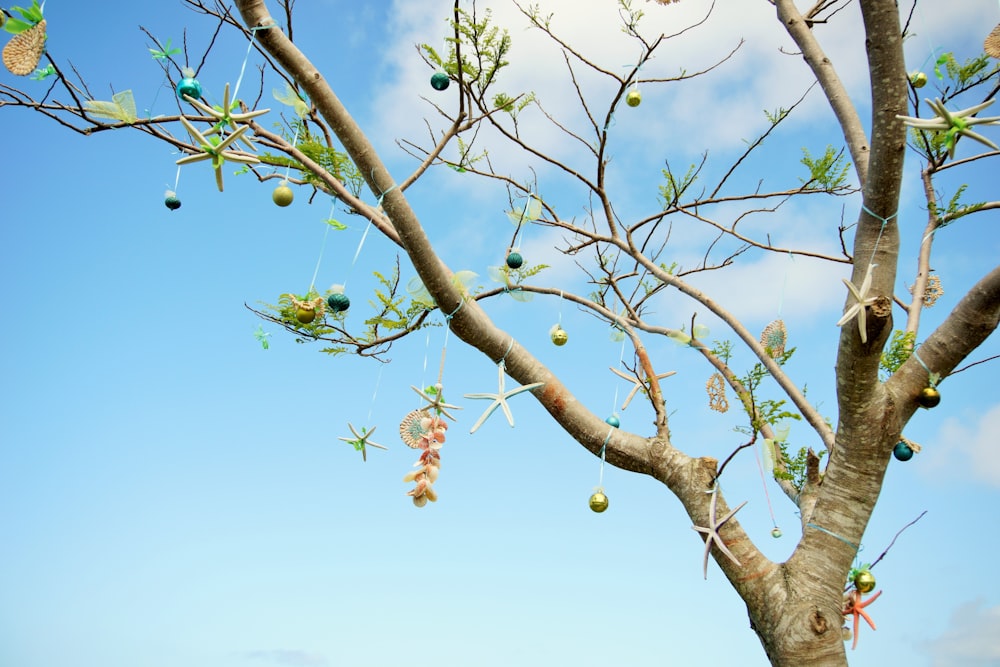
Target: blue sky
(173, 494)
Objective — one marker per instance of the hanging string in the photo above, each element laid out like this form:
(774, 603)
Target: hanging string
(784, 283)
(621, 360)
(295, 140)
(177, 178)
(378, 380)
(243, 67)
(600, 479)
(763, 481)
(322, 249)
(885, 222)
(833, 534)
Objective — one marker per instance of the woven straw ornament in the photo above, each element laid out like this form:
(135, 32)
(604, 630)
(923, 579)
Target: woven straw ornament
(24, 50)
(992, 43)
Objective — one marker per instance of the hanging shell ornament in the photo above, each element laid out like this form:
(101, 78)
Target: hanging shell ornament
(25, 49)
(558, 335)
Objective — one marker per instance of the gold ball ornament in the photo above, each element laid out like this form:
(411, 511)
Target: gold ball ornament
(598, 502)
(634, 98)
(918, 79)
(282, 195)
(864, 581)
(305, 315)
(929, 397)
(558, 336)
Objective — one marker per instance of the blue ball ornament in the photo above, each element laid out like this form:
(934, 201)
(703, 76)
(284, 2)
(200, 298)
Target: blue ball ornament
(613, 421)
(440, 81)
(189, 86)
(514, 260)
(338, 302)
(902, 451)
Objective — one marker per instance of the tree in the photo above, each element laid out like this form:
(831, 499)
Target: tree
(795, 607)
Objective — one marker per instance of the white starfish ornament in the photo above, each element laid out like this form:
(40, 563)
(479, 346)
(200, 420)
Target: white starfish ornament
(862, 301)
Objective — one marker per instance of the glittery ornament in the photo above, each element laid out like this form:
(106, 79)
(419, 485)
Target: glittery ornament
(773, 338)
(902, 451)
(929, 397)
(634, 98)
(514, 260)
(338, 302)
(558, 335)
(282, 195)
(918, 79)
(613, 421)
(440, 81)
(864, 581)
(189, 86)
(598, 502)
(24, 50)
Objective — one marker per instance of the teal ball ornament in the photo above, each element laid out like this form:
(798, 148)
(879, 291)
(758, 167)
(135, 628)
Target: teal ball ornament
(514, 260)
(902, 451)
(776, 533)
(338, 302)
(440, 81)
(171, 201)
(613, 421)
(189, 86)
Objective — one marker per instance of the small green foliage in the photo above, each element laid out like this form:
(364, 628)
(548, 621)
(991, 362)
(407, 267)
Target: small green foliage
(674, 188)
(484, 49)
(827, 173)
(777, 116)
(166, 53)
(333, 161)
(898, 350)
(30, 17)
(955, 208)
(964, 74)
(795, 466)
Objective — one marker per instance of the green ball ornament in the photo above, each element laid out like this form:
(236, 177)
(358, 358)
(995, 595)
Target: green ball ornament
(598, 502)
(613, 421)
(634, 98)
(559, 336)
(902, 451)
(189, 86)
(929, 397)
(305, 315)
(338, 302)
(918, 79)
(776, 533)
(171, 201)
(514, 260)
(440, 81)
(282, 195)
(864, 581)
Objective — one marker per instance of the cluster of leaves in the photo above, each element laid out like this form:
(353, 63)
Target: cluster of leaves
(674, 188)
(795, 465)
(898, 350)
(333, 161)
(30, 17)
(827, 173)
(955, 208)
(484, 49)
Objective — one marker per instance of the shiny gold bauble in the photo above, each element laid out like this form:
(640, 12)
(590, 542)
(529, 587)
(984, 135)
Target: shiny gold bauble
(634, 98)
(864, 581)
(305, 315)
(918, 79)
(598, 502)
(559, 336)
(929, 397)
(282, 195)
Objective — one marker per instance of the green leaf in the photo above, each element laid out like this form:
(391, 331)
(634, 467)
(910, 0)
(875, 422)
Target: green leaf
(336, 224)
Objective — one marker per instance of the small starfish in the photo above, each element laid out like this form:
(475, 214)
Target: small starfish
(639, 384)
(712, 532)
(216, 152)
(360, 441)
(855, 606)
(224, 115)
(862, 300)
(957, 123)
(500, 399)
(436, 401)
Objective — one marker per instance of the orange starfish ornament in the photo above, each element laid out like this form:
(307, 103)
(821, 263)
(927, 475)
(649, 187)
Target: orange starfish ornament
(854, 605)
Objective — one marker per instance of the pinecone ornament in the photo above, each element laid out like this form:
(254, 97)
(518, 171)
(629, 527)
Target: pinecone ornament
(24, 50)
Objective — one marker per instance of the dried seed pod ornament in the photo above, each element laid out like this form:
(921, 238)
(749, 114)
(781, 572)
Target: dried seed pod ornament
(25, 49)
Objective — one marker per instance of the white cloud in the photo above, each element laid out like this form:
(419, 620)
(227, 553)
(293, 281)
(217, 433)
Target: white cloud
(967, 449)
(970, 639)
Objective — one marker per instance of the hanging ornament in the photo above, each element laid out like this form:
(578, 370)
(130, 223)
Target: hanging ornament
(306, 311)
(613, 421)
(558, 335)
(902, 451)
(864, 581)
(598, 501)
(716, 388)
(918, 79)
(338, 302)
(773, 338)
(283, 195)
(189, 85)
(776, 533)
(929, 397)
(514, 260)
(25, 49)
(992, 43)
(440, 81)
(634, 98)
(171, 201)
